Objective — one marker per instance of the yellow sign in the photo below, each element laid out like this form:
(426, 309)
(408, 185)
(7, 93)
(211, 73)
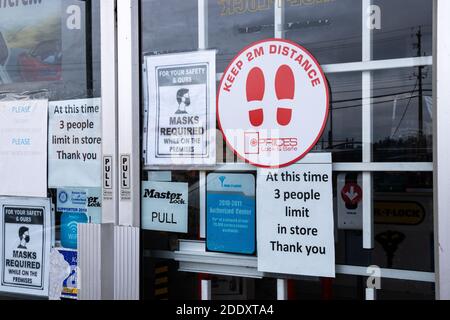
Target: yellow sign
(399, 213)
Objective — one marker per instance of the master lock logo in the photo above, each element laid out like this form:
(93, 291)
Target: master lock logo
(173, 198)
(273, 103)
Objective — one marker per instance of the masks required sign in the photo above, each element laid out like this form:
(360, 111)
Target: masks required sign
(181, 117)
(25, 246)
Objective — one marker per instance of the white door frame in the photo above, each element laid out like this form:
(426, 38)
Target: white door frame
(441, 146)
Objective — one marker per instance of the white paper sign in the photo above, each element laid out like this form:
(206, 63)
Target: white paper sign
(75, 143)
(23, 148)
(181, 109)
(165, 206)
(25, 231)
(295, 218)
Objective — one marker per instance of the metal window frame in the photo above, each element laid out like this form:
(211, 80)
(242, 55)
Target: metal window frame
(193, 257)
(129, 106)
(109, 102)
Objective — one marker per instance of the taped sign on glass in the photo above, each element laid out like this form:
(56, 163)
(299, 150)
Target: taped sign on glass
(75, 143)
(273, 103)
(165, 206)
(23, 148)
(231, 208)
(295, 220)
(181, 109)
(25, 238)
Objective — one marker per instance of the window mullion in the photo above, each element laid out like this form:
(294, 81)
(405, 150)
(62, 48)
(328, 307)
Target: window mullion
(279, 10)
(367, 127)
(203, 24)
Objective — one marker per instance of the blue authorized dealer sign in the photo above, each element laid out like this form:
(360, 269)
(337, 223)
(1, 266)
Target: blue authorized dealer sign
(230, 215)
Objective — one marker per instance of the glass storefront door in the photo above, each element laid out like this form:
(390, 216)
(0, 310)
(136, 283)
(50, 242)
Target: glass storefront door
(51, 141)
(379, 69)
(108, 117)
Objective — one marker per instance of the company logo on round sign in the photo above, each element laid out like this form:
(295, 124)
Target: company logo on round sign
(273, 103)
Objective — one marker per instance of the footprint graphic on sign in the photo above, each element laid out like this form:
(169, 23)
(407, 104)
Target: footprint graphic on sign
(256, 87)
(284, 88)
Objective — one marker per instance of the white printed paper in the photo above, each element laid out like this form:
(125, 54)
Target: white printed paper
(181, 109)
(25, 231)
(295, 218)
(75, 142)
(23, 148)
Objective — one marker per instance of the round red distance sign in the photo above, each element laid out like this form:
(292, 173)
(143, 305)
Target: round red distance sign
(273, 103)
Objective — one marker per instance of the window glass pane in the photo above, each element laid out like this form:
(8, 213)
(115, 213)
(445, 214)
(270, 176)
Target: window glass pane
(233, 25)
(54, 46)
(402, 117)
(330, 30)
(405, 29)
(168, 26)
(343, 134)
(403, 215)
(393, 289)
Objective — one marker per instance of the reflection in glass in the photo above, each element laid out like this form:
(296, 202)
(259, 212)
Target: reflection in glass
(403, 216)
(402, 117)
(54, 46)
(405, 29)
(330, 30)
(343, 133)
(234, 27)
(168, 26)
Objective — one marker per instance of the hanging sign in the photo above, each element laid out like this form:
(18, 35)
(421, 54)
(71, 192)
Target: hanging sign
(75, 142)
(165, 206)
(295, 218)
(25, 233)
(23, 148)
(349, 201)
(231, 213)
(181, 115)
(273, 103)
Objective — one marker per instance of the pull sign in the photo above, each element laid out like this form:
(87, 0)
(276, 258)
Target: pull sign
(107, 178)
(125, 169)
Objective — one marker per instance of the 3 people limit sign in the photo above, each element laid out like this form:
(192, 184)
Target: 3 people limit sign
(295, 218)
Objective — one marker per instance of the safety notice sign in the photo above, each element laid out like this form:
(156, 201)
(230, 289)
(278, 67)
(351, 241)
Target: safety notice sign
(25, 245)
(74, 143)
(295, 220)
(181, 118)
(273, 103)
